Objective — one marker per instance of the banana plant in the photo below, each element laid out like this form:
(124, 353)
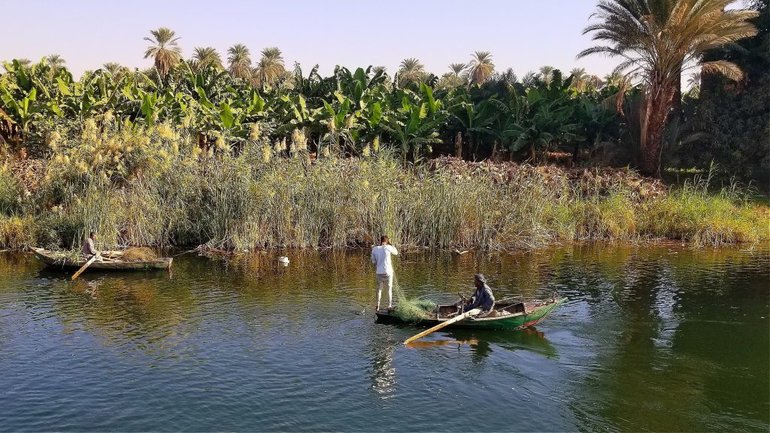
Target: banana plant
(542, 123)
(21, 111)
(414, 125)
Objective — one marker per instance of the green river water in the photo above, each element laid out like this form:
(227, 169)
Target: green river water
(657, 338)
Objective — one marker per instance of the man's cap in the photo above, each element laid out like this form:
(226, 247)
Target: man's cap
(480, 278)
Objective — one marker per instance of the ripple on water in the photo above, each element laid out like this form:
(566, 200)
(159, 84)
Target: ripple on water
(245, 345)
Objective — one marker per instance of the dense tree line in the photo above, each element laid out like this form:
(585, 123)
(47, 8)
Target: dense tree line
(631, 116)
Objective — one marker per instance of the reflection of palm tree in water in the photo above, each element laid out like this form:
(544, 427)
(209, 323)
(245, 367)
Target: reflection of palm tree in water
(641, 377)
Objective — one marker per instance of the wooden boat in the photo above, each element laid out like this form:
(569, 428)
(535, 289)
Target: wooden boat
(506, 315)
(111, 261)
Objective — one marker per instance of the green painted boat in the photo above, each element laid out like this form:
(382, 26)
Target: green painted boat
(510, 315)
(111, 261)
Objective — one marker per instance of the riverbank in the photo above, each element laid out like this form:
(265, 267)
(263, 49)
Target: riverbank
(258, 200)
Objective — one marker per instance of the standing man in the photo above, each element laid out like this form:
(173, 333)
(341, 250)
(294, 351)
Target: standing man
(381, 259)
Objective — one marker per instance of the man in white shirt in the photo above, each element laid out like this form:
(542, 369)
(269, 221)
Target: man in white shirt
(381, 259)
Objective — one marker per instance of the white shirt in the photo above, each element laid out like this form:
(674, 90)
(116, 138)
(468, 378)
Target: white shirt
(381, 258)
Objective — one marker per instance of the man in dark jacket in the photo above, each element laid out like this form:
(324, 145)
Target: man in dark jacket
(482, 297)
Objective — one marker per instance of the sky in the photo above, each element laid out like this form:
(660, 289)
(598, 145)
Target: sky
(521, 34)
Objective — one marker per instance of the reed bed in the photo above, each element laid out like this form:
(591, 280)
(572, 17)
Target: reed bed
(150, 187)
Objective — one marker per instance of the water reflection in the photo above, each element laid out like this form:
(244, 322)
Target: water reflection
(652, 338)
(382, 371)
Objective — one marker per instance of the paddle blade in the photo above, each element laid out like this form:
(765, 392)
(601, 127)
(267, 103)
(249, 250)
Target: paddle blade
(80, 271)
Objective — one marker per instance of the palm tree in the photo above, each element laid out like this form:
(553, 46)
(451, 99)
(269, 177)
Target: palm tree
(165, 50)
(55, 61)
(508, 77)
(207, 57)
(616, 79)
(579, 78)
(410, 71)
(457, 69)
(529, 79)
(694, 80)
(481, 67)
(657, 39)
(270, 68)
(546, 74)
(115, 69)
(239, 59)
(454, 78)
(593, 82)
(693, 85)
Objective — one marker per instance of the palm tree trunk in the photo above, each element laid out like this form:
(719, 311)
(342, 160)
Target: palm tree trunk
(656, 114)
(470, 146)
(459, 145)
(677, 99)
(575, 152)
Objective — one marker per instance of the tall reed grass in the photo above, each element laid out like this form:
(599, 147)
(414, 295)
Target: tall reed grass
(150, 187)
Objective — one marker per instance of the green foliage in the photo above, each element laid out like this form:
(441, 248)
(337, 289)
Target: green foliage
(693, 214)
(734, 118)
(345, 112)
(9, 192)
(150, 185)
(17, 232)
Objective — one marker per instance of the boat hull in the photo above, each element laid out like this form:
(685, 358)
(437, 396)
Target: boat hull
(529, 317)
(56, 261)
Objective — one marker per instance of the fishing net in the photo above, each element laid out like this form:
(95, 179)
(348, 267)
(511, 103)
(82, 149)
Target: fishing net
(138, 254)
(410, 310)
(413, 310)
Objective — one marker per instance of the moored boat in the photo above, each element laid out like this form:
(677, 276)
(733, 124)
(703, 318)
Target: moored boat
(111, 261)
(506, 315)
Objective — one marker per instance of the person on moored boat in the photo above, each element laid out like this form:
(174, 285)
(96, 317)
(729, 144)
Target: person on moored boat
(89, 249)
(381, 260)
(482, 297)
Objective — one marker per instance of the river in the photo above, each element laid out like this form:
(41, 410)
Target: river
(651, 338)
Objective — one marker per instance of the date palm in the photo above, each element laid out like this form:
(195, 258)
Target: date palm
(457, 69)
(454, 78)
(579, 78)
(410, 71)
(116, 70)
(165, 50)
(546, 74)
(530, 79)
(270, 68)
(694, 80)
(616, 79)
(239, 61)
(55, 61)
(207, 57)
(481, 67)
(656, 40)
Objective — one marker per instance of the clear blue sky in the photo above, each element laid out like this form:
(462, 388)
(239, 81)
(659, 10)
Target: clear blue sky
(521, 34)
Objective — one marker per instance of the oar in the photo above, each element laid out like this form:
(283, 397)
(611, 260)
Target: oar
(80, 271)
(459, 318)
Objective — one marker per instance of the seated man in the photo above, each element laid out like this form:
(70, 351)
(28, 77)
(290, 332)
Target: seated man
(482, 297)
(89, 250)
